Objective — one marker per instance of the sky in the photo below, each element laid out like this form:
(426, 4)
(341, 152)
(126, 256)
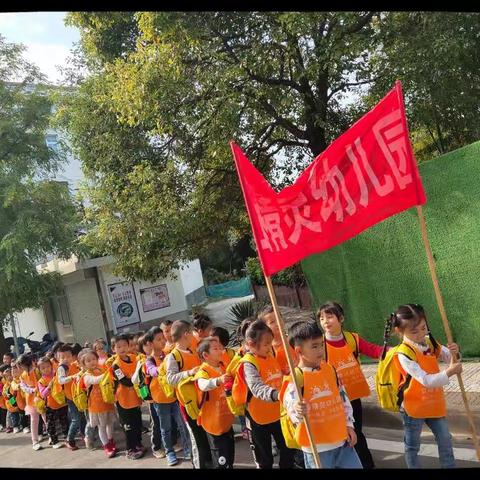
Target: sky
(48, 43)
(47, 39)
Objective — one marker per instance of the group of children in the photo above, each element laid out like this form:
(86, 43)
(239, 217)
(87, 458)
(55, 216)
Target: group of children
(195, 387)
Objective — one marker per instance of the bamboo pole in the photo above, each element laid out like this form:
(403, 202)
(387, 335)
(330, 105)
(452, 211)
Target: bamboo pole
(446, 326)
(281, 327)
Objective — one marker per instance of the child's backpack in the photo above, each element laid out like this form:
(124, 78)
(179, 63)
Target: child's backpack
(241, 394)
(80, 394)
(288, 428)
(39, 404)
(190, 396)
(168, 389)
(107, 388)
(388, 376)
(57, 392)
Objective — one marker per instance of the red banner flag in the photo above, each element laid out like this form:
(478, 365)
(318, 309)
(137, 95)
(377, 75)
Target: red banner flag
(366, 175)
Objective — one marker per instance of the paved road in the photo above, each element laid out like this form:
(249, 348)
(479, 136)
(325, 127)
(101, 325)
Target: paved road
(218, 311)
(386, 445)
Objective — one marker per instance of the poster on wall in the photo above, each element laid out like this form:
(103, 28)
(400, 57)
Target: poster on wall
(154, 298)
(124, 304)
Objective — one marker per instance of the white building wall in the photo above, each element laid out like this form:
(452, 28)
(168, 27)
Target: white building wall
(191, 276)
(175, 292)
(28, 321)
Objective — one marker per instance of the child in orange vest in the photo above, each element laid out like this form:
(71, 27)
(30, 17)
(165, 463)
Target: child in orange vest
(29, 379)
(66, 372)
(267, 315)
(202, 327)
(223, 337)
(324, 401)
(421, 384)
(176, 370)
(127, 401)
(145, 350)
(215, 416)
(99, 347)
(339, 354)
(10, 401)
(3, 407)
(166, 326)
(263, 407)
(166, 409)
(55, 412)
(19, 396)
(100, 413)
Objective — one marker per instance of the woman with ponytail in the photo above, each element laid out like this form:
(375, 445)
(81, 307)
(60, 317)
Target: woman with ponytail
(421, 385)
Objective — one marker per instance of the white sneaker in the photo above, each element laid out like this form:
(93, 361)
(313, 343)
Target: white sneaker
(16, 430)
(40, 438)
(57, 445)
(26, 430)
(37, 446)
(2, 428)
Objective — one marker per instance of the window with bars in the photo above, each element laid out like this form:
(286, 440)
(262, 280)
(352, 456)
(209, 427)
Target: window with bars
(59, 304)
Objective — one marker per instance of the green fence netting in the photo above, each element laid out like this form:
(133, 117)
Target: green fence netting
(385, 266)
(234, 288)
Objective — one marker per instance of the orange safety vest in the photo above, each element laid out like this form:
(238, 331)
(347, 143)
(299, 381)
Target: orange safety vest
(324, 407)
(2, 398)
(95, 398)
(6, 394)
(30, 379)
(189, 360)
(266, 412)
(19, 395)
(215, 416)
(194, 344)
(50, 401)
(71, 369)
(420, 401)
(348, 370)
(126, 396)
(280, 355)
(156, 389)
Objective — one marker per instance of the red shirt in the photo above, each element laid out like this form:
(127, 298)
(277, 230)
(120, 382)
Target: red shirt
(365, 348)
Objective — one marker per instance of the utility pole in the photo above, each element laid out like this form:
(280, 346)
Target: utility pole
(14, 335)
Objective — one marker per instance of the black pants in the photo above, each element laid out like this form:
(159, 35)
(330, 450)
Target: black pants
(3, 417)
(200, 441)
(60, 414)
(24, 419)
(222, 448)
(131, 422)
(260, 438)
(361, 446)
(41, 425)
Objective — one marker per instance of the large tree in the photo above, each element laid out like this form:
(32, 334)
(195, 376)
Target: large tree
(436, 55)
(169, 90)
(37, 215)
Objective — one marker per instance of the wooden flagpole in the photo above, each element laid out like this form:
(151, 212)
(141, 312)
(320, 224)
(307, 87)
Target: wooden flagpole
(446, 326)
(281, 327)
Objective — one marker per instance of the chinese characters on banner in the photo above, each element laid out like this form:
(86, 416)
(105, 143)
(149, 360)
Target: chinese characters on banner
(124, 304)
(365, 176)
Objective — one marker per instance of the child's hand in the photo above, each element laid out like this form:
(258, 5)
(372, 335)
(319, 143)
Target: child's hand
(194, 370)
(454, 368)
(352, 436)
(454, 350)
(301, 408)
